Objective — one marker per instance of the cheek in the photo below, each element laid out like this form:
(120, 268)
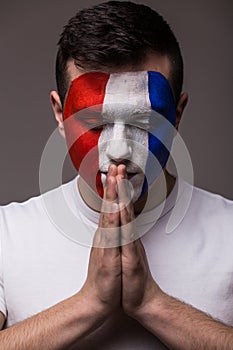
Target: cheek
(83, 150)
(103, 144)
(160, 142)
(140, 147)
(159, 153)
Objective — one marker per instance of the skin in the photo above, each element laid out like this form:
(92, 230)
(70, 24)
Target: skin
(117, 278)
(153, 62)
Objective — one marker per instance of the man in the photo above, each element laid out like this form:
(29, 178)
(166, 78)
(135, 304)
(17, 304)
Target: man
(119, 70)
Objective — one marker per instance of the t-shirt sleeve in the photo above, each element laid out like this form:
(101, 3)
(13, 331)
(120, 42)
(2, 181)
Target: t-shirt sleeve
(2, 295)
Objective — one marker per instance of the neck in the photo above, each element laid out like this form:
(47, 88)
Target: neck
(156, 194)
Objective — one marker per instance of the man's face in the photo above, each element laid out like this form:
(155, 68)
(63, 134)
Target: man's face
(112, 118)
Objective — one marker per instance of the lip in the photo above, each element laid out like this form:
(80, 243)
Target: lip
(129, 175)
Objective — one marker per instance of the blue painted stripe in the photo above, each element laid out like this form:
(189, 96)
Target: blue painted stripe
(162, 101)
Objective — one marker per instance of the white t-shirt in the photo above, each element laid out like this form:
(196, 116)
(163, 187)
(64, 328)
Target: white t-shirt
(45, 246)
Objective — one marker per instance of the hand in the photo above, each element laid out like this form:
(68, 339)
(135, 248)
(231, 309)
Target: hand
(103, 283)
(138, 285)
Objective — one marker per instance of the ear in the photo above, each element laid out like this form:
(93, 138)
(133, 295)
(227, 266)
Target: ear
(180, 107)
(57, 110)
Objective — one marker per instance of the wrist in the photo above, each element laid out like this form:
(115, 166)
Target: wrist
(151, 308)
(92, 307)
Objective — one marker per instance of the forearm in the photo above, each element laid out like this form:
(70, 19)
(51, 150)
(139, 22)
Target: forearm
(182, 327)
(56, 328)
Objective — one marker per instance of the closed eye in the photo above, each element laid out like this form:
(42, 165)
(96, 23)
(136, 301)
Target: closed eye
(90, 119)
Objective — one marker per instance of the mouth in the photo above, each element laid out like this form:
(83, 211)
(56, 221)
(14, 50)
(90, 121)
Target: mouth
(129, 175)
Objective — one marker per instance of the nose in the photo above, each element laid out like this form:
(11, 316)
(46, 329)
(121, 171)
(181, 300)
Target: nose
(118, 148)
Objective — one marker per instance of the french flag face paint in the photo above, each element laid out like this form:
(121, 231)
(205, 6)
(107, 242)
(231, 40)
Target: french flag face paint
(120, 118)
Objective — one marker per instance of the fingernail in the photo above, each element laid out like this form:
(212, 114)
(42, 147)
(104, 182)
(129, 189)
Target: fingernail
(103, 179)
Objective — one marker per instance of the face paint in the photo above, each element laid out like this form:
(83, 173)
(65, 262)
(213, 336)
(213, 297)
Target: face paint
(86, 91)
(108, 120)
(126, 110)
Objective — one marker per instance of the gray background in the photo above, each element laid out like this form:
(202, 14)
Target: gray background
(29, 33)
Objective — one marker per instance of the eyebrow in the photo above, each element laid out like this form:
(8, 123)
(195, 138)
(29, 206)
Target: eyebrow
(143, 117)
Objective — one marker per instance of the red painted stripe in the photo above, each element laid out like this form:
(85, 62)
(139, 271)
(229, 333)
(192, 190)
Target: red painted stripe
(85, 91)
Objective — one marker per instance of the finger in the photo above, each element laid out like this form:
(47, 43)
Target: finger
(109, 216)
(107, 234)
(110, 193)
(121, 170)
(125, 202)
(112, 170)
(123, 184)
(110, 185)
(126, 213)
(128, 232)
(107, 237)
(127, 226)
(123, 190)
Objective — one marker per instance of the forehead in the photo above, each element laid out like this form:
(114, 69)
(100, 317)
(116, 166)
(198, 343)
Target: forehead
(127, 95)
(118, 96)
(153, 62)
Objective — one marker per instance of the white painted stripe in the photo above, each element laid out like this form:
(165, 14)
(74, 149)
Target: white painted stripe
(126, 102)
(130, 92)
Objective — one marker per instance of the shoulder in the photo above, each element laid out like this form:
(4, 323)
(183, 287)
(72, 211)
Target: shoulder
(209, 214)
(211, 204)
(31, 211)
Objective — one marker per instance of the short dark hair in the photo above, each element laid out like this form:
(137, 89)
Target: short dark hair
(116, 34)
